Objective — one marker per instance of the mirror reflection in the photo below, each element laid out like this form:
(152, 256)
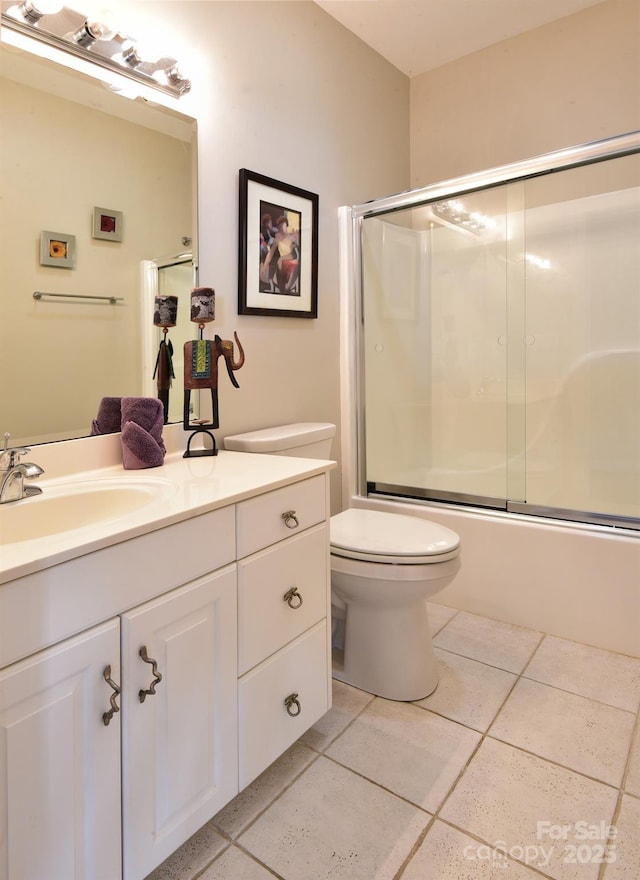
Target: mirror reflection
(92, 175)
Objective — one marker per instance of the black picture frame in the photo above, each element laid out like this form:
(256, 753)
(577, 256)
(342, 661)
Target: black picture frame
(277, 261)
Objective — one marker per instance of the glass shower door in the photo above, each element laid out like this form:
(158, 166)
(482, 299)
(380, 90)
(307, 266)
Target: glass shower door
(582, 229)
(501, 346)
(435, 348)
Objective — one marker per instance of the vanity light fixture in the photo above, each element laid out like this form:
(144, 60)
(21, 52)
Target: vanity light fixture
(95, 40)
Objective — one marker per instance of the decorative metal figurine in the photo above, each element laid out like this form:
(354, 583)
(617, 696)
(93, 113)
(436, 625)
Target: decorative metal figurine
(201, 368)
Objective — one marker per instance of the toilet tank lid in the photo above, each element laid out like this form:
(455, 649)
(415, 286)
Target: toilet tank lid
(280, 437)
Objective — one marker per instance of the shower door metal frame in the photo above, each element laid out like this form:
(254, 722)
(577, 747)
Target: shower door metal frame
(354, 435)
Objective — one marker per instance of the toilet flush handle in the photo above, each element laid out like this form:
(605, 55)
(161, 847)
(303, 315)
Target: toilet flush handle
(291, 521)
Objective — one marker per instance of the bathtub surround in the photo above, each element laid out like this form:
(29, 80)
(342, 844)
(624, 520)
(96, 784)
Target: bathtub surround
(462, 784)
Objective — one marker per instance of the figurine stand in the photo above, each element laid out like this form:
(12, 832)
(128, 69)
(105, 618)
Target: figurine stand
(199, 453)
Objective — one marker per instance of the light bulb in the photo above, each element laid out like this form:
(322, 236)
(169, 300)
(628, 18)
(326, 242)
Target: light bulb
(33, 10)
(129, 56)
(95, 29)
(173, 77)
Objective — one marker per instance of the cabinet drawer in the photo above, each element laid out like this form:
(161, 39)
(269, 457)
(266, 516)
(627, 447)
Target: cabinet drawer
(266, 729)
(266, 620)
(261, 521)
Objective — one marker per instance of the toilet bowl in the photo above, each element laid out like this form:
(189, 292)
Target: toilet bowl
(384, 567)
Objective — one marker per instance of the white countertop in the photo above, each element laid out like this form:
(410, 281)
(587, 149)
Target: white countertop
(186, 487)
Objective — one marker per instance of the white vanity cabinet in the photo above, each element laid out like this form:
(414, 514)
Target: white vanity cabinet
(147, 681)
(60, 792)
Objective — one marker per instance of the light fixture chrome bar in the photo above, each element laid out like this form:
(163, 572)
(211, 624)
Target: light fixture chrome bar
(40, 294)
(94, 51)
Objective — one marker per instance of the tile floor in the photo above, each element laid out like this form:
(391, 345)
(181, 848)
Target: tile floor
(524, 763)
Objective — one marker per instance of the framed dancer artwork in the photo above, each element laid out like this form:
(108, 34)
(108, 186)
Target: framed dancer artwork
(278, 248)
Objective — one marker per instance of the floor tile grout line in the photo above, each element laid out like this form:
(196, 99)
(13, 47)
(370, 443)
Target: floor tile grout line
(475, 660)
(318, 753)
(254, 858)
(475, 837)
(484, 662)
(551, 761)
(635, 740)
(565, 690)
(616, 813)
(201, 872)
(414, 849)
(275, 798)
(540, 632)
(533, 653)
(529, 677)
(379, 785)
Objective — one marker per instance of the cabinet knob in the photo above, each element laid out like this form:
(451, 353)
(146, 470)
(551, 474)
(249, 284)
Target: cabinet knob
(291, 521)
(293, 598)
(157, 676)
(107, 716)
(292, 705)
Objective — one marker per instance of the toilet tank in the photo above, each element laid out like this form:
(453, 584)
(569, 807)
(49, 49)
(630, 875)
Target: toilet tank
(301, 440)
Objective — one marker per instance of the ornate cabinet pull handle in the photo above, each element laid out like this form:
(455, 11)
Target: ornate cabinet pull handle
(157, 677)
(293, 598)
(107, 716)
(290, 702)
(291, 521)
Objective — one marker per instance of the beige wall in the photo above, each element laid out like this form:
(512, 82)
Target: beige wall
(570, 82)
(282, 89)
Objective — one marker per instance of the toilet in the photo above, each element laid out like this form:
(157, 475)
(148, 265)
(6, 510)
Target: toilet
(384, 568)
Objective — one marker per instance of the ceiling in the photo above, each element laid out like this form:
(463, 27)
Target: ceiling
(419, 35)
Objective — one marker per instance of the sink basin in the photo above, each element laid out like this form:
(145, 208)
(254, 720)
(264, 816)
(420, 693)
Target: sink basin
(75, 506)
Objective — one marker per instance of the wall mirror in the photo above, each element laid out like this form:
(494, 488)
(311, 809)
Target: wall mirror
(95, 188)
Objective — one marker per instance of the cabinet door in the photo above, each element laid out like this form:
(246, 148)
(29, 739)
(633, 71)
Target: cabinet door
(60, 763)
(180, 743)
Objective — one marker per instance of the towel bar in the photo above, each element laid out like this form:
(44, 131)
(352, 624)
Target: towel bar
(39, 294)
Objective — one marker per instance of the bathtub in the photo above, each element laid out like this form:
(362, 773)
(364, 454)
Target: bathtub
(569, 580)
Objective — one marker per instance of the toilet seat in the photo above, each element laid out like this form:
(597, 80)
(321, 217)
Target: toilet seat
(391, 538)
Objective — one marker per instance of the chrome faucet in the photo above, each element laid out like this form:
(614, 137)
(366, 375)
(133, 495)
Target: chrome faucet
(13, 474)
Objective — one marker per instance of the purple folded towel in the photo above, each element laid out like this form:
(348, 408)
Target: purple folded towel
(108, 420)
(142, 443)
